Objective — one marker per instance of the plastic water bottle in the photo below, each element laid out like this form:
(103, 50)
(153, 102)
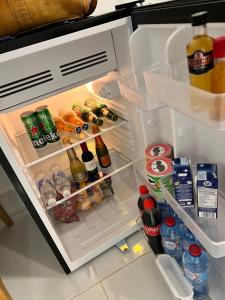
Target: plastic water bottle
(47, 191)
(171, 240)
(196, 269)
(188, 239)
(62, 185)
(164, 209)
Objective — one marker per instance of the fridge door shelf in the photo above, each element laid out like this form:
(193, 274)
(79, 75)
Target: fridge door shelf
(210, 232)
(133, 89)
(174, 277)
(119, 163)
(199, 105)
(32, 157)
(105, 224)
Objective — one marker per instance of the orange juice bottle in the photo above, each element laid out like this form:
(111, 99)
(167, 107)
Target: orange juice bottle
(217, 109)
(70, 117)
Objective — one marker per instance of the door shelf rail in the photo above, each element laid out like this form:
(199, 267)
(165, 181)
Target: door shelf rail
(119, 164)
(210, 232)
(32, 157)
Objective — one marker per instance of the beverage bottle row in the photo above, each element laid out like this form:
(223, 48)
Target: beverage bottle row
(172, 237)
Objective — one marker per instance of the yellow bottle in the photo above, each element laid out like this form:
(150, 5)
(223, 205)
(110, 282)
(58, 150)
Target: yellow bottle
(217, 109)
(200, 58)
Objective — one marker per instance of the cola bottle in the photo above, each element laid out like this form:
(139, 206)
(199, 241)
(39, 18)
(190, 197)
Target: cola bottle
(144, 194)
(151, 221)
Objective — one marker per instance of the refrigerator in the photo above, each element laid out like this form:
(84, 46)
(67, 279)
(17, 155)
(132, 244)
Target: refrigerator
(133, 60)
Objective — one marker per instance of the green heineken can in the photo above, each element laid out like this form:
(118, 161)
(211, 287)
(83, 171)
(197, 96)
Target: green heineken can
(34, 131)
(47, 124)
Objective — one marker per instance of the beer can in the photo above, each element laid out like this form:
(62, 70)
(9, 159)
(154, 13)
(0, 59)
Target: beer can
(47, 124)
(159, 170)
(34, 131)
(158, 150)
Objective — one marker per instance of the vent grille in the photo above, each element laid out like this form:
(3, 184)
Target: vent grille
(25, 83)
(84, 63)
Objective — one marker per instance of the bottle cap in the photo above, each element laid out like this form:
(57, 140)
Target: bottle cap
(170, 221)
(143, 190)
(219, 47)
(99, 122)
(149, 204)
(195, 250)
(199, 18)
(95, 129)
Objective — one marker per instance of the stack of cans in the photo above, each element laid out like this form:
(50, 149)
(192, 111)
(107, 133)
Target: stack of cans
(40, 127)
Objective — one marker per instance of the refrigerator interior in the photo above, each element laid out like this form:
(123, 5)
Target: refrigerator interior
(113, 218)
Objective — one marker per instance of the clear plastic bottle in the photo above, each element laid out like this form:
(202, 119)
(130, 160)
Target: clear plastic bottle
(171, 241)
(196, 269)
(188, 239)
(62, 185)
(47, 191)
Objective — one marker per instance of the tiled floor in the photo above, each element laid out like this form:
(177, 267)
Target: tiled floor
(31, 272)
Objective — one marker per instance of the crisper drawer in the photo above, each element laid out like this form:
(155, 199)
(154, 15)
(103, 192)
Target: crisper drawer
(33, 75)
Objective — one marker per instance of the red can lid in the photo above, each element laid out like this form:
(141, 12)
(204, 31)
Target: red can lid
(143, 190)
(195, 250)
(170, 221)
(219, 47)
(159, 167)
(149, 203)
(158, 150)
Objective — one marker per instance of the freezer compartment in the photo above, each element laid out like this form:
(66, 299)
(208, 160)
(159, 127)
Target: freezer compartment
(39, 70)
(104, 224)
(133, 88)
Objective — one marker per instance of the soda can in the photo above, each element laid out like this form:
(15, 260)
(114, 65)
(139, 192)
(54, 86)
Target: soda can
(47, 124)
(34, 131)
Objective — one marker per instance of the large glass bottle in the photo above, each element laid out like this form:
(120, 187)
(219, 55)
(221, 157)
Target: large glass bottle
(89, 162)
(77, 168)
(101, 110)
(199, 53)
(101, 150)
(86, 114)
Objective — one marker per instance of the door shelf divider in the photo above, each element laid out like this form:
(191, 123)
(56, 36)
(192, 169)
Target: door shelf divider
(119, 163)
(210, 232)
(33, 157)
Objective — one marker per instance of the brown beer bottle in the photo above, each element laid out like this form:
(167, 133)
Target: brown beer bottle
(101, 149)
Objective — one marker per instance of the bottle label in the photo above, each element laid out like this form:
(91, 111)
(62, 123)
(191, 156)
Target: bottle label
(200, 62)
(170, 245)
(90, 165)
(105, 161)
(196, 277)
(152, 231)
